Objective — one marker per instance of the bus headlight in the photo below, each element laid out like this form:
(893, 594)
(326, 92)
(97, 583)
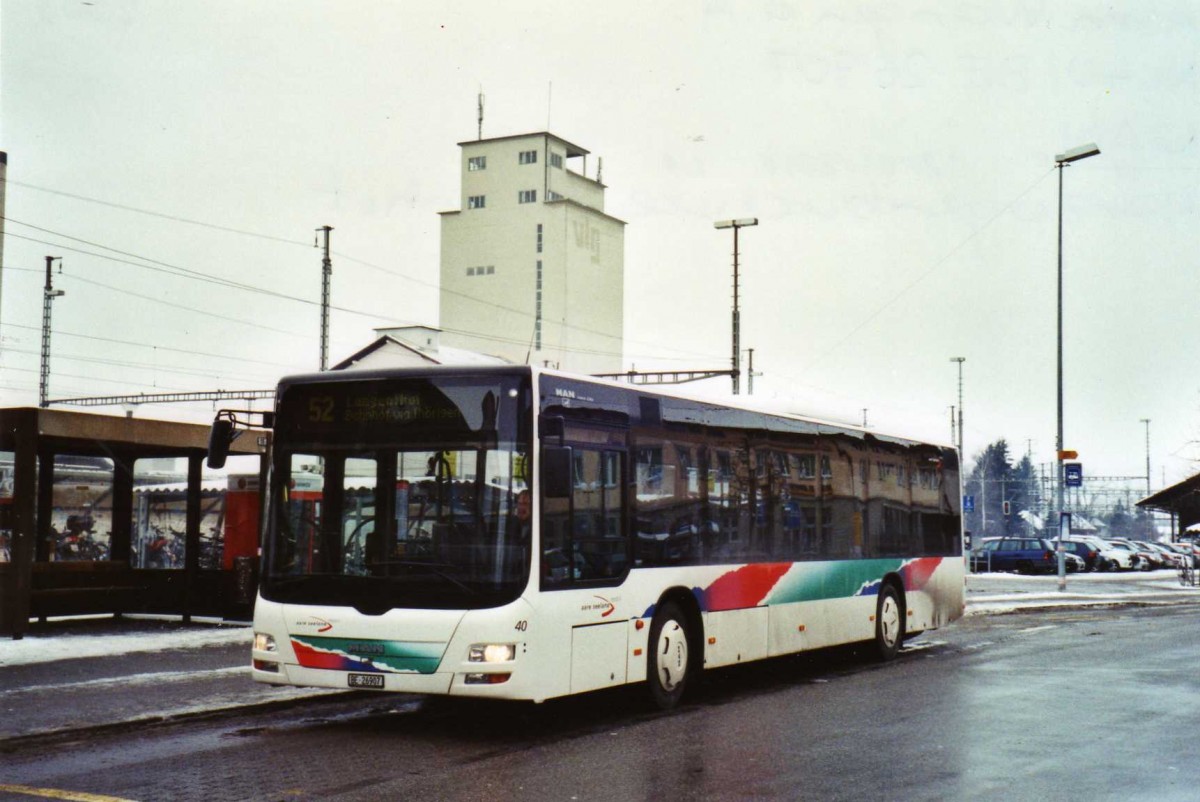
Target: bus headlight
(264, 642)
(493, 653)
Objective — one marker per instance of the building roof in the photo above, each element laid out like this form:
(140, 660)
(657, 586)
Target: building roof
(592, 209)
(389, 352)
(1172, 497)
(1181, 500)
(573, 150)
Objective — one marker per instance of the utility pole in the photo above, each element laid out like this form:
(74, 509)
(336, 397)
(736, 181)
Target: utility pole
(1147, 422)
(864, 417)
(750, 374)
(48, 296)
(737, 320)
(326, 271)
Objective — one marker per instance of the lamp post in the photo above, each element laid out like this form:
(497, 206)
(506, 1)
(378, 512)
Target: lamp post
(1147, 422)
(737, 333)
(960, 360)
(1060, 162)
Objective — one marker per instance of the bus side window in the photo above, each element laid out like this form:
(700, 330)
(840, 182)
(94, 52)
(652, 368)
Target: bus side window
(599, 545)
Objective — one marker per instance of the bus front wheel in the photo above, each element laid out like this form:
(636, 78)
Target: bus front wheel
(889, 622)
(669, 661)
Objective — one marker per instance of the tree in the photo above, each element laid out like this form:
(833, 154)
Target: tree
(1120, 523)
(1024, 492)
(992, 482)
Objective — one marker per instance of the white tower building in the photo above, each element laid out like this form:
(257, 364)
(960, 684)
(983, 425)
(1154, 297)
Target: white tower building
(532, 268)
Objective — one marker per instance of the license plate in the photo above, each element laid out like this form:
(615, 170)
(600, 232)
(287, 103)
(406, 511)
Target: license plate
(365, 680)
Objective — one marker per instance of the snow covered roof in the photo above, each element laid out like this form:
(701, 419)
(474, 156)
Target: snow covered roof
(1030, 518)
(392, 351)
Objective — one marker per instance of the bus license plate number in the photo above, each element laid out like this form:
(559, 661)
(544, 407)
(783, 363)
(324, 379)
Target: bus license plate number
(365, 680)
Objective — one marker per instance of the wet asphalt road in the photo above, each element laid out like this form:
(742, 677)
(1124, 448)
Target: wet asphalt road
(1088, 704)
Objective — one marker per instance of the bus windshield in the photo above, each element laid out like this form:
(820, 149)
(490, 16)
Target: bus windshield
(400, 493)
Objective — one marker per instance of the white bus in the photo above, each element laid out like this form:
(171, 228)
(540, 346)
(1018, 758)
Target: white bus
(665, 535)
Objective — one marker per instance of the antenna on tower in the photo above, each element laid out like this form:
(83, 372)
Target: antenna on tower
(599, 169)
(479, 121)
(549, 101)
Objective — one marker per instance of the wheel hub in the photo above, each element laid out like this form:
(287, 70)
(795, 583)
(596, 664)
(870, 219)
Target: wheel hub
(672, 651)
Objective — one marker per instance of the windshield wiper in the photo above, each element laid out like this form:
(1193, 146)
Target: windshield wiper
(434, 568)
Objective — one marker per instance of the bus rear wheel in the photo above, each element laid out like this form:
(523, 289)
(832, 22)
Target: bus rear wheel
(669, 660)
(889, 623)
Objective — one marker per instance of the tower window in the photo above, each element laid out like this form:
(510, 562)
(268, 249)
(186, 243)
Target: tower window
(476, 163)
(556, 160)
(527, 196)
(527, 157)
(476, 201)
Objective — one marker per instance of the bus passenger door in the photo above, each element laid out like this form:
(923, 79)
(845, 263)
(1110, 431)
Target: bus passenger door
(584, 533)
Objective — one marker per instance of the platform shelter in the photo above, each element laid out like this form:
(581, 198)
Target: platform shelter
(113, 515)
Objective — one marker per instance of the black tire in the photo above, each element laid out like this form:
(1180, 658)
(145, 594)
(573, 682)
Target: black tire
(669, 660)
(889, 622)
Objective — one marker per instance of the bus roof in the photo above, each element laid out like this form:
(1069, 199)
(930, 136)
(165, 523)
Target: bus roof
(773, 408)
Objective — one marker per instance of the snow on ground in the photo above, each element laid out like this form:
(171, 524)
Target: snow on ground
(1001, 592)
(39, 648)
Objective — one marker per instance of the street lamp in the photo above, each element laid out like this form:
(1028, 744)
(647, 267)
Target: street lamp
(737, 333)
(1061, 161)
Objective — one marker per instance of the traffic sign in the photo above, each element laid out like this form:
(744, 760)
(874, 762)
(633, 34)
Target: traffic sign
(1073, 474)
(968, 504)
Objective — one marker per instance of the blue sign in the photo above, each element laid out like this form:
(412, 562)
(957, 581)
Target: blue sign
(1073, 474)
(968, 504)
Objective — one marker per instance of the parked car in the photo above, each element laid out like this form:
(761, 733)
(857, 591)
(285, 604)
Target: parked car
(1087, 551)
(1144, 559)
(1110, 557)
(1188, 553)
(1174, 555)
(1025, 555)
(1127, 556)
(1171, 558)
(1156, 557)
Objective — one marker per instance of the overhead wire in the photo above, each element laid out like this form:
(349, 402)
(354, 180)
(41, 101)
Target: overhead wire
(116, 341)
(161, 215)
(583, 329)
(139, 365)
(186, 273)
(936, 266)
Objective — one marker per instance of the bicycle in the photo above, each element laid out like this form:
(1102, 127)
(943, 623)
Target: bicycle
(1187, 573)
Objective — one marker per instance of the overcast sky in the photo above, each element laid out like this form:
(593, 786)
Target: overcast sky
(899, 156)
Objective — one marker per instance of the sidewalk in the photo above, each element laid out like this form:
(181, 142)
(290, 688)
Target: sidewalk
(83, 674)
(998, 593)
(75, 674)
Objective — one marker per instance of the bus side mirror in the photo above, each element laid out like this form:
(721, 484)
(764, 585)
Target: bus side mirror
(220, 438)
(556, 471)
